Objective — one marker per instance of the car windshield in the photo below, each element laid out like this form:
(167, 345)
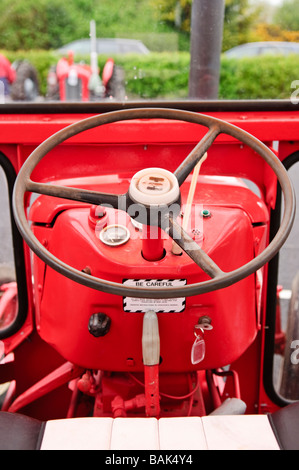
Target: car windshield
(148, 50)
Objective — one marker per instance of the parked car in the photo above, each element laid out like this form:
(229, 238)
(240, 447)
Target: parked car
(253, 49)
(106, 46)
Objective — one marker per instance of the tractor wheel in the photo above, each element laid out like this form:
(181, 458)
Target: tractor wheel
(116, 87)
(26, 86)
(289, 386)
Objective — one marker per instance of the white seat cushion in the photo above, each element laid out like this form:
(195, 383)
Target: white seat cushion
(233, 432)
(237, 432)
(77, 434)
(182, 434)
(135, 433)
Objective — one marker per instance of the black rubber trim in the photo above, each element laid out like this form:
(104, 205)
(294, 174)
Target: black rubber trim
(18, 255)
(19, 432)
(57, 107)
(273, 268)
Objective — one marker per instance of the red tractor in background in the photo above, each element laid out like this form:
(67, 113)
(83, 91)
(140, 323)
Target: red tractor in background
(70, 81)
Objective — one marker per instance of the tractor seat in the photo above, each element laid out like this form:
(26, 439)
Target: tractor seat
(279, 430)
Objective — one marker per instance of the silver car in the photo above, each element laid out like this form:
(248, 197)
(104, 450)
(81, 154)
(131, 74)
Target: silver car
(106, 46)
(253, 49)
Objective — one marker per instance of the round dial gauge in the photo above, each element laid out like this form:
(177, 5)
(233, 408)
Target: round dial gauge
(114, 235)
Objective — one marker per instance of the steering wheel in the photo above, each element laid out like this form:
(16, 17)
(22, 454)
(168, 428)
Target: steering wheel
(164, 216)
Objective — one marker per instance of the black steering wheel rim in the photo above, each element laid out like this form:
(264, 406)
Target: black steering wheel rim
(216, 126)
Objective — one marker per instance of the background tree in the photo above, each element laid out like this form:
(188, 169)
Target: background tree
(49, 24)
(174, 13)
(287, 15)
(239, 18)
(46, 24)
(31, 24)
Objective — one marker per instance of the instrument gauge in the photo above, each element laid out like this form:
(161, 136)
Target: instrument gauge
(114, 235)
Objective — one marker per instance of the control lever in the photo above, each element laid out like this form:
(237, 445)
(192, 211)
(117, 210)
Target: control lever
(176, 250)
(151, 360)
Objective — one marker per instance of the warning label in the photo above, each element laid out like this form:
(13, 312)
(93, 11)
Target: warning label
(175, 305)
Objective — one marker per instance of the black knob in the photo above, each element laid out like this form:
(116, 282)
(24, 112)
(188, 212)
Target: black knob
(99, 324)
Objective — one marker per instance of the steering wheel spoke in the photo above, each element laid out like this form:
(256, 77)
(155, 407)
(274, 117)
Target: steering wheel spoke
(196, 154)
(191, 248)
(75, 194)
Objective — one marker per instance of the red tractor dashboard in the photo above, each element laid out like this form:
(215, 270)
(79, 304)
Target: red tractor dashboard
(86, 237)
(139, 301)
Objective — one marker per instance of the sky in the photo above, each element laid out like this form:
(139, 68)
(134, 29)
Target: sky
(275, 3)
(272, 2)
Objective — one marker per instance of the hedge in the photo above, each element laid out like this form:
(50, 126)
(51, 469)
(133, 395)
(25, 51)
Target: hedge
(165, 76)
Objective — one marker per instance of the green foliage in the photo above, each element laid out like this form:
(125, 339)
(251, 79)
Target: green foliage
(287, 15)
(239, 19)
(165, 75)
(49, 24)
(265, 77)
(34, 25)
(273, 32)
(158, 75)
(112, 17)
(175, 13)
